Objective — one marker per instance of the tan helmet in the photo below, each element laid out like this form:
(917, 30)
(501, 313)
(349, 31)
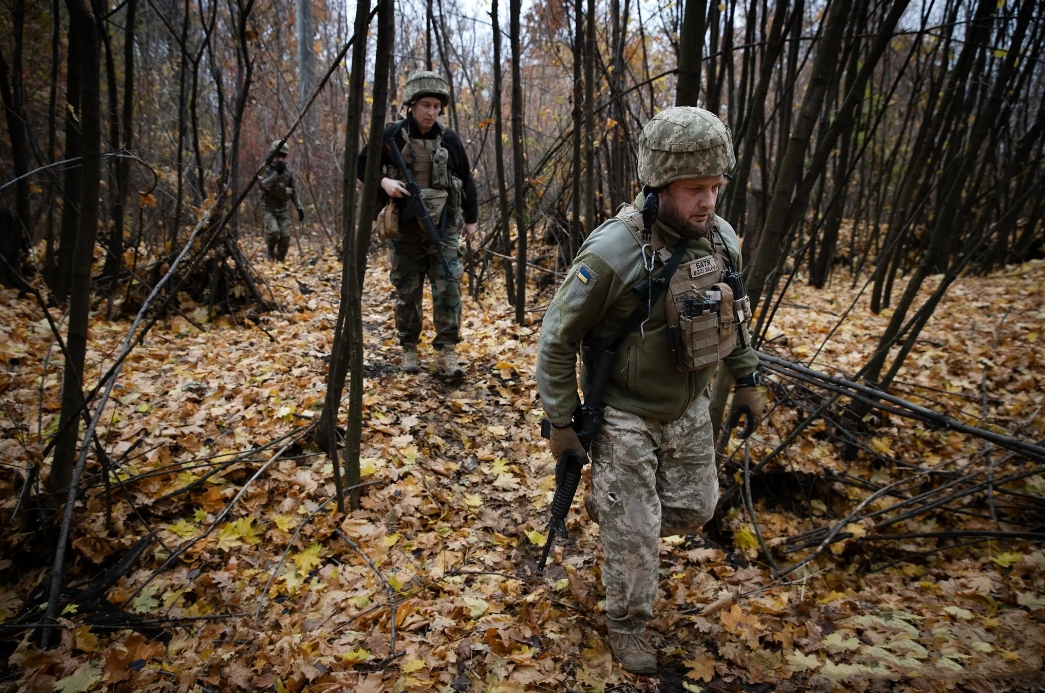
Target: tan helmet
(284, 150)
(426, 83)
(684, 142)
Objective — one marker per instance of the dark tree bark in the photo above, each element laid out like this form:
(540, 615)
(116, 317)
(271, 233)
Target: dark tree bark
(518, 164)
(52, 139)
(691, 53)
(341, 351)
(591, 47)
(179, 166)
(306, 64)
(119, 167)
(442, 42)
(244, 79)
(737, 190)
(576, 227)
(951, 205)
(428, 35)
(356, 257)
(13, 97)
(714, 87)
(83, 25)
(498, 146)
(771, 243)
(71, 178)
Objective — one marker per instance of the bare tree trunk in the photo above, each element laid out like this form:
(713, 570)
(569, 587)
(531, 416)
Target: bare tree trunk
(120, 167)
(306, 64)
(52, 138)
(713, 89)
(18, 130)
(498, 147)
(244, 78)
(772, 237)
(737, 190)
(442, 42)
(518, 164)
(179, 166)
(341, 351)
(83, 25)
(576, 229)
(356, 257)
(691, 53)
(950, 204)
(589, 121)
(428, 35)
(71, 178)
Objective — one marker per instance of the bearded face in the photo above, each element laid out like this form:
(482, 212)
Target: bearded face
(688, 206)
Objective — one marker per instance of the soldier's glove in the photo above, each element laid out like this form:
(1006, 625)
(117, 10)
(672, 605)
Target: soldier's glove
(301, 214)
(747, 403)
(563, 439)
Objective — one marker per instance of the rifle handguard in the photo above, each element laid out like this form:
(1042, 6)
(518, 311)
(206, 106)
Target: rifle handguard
(567, 479)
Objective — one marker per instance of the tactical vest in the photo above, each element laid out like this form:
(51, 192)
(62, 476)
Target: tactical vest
(703, 319)
(279, 188)
(429, 163)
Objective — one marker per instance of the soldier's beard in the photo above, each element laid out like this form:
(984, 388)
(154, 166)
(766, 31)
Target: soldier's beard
(670, 215)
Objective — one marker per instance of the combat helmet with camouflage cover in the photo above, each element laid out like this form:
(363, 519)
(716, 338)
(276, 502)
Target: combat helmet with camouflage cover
(282, 149)
(426, 83)
(684, 142)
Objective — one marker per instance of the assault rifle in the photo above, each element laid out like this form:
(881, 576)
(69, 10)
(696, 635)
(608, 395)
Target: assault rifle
(413, 206)
(587, 421)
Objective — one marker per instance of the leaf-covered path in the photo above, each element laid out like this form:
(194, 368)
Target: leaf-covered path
(431, 586)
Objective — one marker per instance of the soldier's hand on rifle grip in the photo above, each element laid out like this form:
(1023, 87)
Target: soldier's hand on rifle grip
(394, 188)
(747, 403)
(563, 439)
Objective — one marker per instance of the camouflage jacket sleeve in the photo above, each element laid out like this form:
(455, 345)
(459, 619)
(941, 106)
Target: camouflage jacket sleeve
(591, 289)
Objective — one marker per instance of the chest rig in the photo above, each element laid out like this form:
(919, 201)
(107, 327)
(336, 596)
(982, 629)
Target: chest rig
(429, 163)
(705, 302)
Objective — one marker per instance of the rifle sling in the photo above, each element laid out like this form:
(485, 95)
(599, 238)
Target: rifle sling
(639, 314)
(391, 142)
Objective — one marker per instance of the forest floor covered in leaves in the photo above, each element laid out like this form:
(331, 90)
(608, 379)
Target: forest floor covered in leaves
(432, 584)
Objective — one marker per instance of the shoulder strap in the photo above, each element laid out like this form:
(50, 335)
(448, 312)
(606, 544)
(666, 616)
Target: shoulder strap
(632, 219)
(660, 283)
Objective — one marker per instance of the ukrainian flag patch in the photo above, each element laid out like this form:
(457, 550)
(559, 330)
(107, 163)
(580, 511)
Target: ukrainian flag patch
(577, 292)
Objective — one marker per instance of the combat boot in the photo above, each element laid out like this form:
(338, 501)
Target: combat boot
(633, 652)
(410, 363)
(272, 251)
(447, 362)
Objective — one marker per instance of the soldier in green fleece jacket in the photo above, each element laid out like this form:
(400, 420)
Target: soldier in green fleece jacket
(653, 463)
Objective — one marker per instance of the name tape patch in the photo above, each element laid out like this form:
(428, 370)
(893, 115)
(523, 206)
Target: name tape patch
(702, 266)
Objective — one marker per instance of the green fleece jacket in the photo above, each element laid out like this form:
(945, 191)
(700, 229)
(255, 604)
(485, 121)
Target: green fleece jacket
(644, 379)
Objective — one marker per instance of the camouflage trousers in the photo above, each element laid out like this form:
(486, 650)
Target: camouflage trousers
(413, 260)
(277, 231)
(650, 479)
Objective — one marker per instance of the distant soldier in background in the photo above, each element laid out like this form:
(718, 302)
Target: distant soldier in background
(277, 187)
(438, 163)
